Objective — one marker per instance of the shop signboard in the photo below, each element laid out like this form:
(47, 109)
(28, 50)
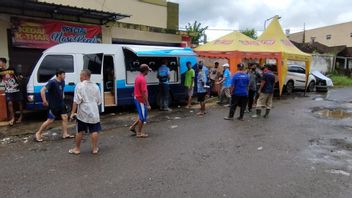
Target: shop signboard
(42, 34)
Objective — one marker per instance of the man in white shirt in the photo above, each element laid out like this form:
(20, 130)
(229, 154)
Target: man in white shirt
(85, 103)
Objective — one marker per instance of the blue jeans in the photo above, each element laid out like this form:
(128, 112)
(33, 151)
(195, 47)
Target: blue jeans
(164, 96)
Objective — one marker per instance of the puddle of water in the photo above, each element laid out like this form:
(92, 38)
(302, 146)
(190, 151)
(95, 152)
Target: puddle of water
(318, 98)
(339, 172)
(342, 144)
(333, 113)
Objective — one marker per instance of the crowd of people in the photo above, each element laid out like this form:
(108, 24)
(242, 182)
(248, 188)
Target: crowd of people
(248, 87)
(251, 86)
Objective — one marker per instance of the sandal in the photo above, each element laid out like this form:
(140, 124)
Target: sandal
(133, 130)
(11, 122)
(144, 135)
(38, 139)
(95, 152)
(200, 113)
(19, 120)
(73, 151)
(68, 137)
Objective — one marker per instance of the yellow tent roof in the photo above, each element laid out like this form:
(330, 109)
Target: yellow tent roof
(234, 41)
(276, 41)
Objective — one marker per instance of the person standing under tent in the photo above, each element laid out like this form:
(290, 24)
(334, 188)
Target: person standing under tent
(225, 89)
(266, 92)
(239, 90)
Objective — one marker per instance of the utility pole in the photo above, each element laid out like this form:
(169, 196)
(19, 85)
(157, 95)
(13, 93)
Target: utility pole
(304, 33)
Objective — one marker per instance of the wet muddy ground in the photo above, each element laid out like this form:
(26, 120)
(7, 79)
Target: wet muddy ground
(304, 149)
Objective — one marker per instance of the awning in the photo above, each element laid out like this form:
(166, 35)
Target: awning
(160, 51)
(33, 8)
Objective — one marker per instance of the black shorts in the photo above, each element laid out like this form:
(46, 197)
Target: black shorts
(201, 96)
(54, 114)
(14, 97)
(88, 127)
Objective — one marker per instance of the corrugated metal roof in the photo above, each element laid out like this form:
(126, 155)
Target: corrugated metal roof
(51, 10)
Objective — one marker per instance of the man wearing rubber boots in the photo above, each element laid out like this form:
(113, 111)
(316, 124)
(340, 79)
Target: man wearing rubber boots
(266, 92)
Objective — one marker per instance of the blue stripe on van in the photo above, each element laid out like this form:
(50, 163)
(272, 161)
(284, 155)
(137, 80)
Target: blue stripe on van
(68, 88)
(121, 84)
(37, 103)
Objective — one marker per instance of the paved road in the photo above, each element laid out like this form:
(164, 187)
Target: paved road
(297, 152)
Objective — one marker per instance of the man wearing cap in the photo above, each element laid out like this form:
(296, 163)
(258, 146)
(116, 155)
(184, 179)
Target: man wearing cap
(266, 92)
(239, 91)
(226, 80)
(141, 101)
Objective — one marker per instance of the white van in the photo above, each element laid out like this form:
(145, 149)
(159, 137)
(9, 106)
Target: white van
(113, 68)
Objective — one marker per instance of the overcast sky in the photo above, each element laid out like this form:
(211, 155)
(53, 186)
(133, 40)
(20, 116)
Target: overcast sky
(242, 14)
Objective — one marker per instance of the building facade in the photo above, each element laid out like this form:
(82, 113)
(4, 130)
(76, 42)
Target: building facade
(150, 22)
(333, 35)
(28, 27)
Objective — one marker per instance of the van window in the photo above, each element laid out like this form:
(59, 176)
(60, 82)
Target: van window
(93, 62)
(52, 63)
(133, 62)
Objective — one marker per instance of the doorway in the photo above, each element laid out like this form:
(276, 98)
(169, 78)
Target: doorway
(109, 81)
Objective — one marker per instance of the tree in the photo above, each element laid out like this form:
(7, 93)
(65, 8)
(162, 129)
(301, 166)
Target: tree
(196, 32)
(250, 33)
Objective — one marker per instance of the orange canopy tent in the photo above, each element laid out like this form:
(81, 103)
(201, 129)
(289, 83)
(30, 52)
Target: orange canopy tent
(272, 44)
(276, 41)
(234, 47)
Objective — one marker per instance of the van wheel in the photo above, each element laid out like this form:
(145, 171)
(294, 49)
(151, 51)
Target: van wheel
(68, 103)
(289, 87)
(311, 87)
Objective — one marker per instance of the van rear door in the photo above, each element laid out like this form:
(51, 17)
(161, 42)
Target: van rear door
(94, 62)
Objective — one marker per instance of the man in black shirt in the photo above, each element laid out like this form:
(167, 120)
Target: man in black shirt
(9, 78)
(55, 102)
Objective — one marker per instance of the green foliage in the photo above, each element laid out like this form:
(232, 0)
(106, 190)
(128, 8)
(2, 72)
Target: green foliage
(341, 80)
(195, 31)
(250, 32)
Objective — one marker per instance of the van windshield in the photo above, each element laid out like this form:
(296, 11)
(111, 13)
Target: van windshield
(133, 62)
(52, 63)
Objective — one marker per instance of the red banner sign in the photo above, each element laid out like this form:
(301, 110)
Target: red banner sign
(223, 42)
(252, 43)
(30, 33)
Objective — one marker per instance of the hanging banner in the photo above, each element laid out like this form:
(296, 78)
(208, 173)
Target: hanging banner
(42, 34)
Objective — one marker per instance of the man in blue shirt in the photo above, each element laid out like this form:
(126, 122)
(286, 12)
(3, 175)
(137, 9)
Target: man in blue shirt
(266, 92)
(164, 77)
(196, 69)
(239, 91)
(201, 90)
(225, 89)
(56, 105)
